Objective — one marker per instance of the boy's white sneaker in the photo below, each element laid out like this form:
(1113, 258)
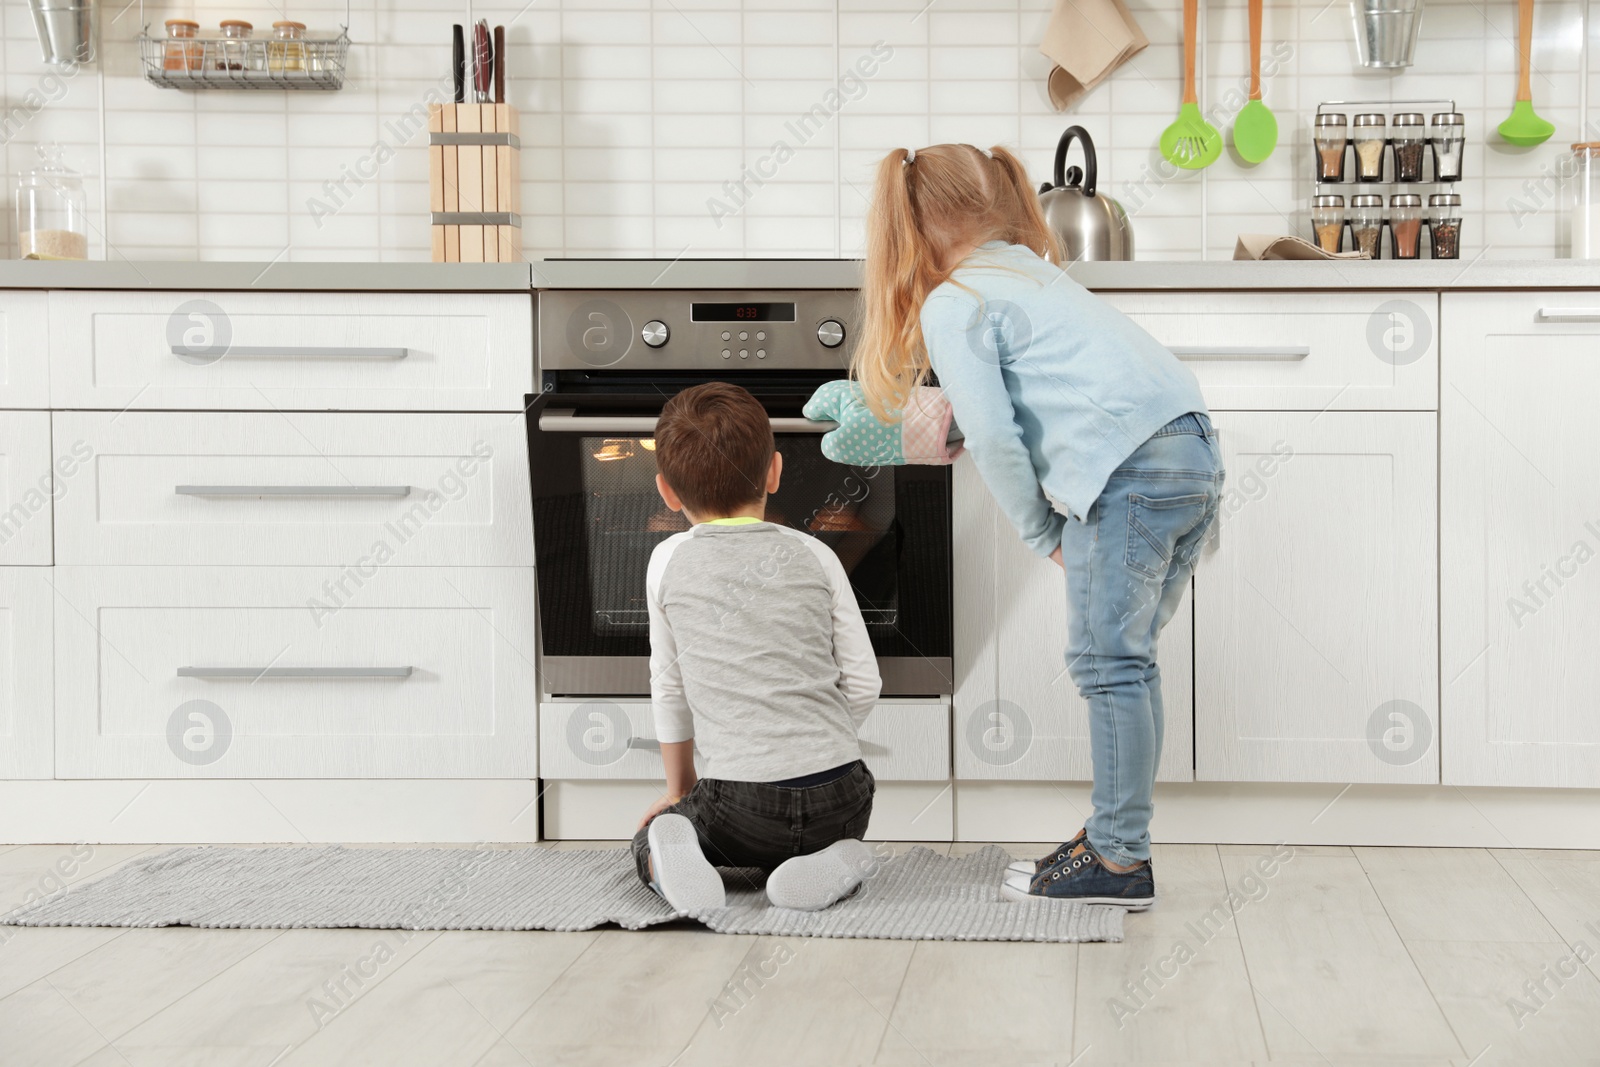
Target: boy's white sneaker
(683, 875)
(814, 882)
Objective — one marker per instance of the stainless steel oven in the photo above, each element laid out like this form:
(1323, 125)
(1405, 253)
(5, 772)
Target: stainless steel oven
(608, 362)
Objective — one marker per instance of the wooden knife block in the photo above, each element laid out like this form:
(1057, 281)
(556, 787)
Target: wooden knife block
(475, 183)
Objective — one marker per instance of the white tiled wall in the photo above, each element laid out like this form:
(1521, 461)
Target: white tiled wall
(637, 115)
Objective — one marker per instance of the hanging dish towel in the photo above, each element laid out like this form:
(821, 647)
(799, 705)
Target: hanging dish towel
(1087, 40)
(1270, 246)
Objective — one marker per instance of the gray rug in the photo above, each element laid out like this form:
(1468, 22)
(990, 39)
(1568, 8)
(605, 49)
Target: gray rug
(918, 895)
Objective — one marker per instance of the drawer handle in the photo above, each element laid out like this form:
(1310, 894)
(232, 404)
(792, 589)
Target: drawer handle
(1241, 352)
(295, 672)
(564, 421)
(289, 351)
(1569, 314)
(292, 490)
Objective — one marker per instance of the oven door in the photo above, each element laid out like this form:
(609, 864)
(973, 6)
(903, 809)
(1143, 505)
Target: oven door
(597, 517)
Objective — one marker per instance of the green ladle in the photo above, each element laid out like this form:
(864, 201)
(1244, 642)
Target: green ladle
(1524, 127)
(1255, 130)
(1191, 142)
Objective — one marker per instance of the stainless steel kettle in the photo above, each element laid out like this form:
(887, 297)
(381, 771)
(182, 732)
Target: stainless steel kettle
(1088, 224)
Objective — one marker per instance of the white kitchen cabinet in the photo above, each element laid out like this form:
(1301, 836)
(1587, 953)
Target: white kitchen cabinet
(901, 741)
(1316, 615)
(1018, 715)
(295, 672)
(260, 489)
(260, 351)
(24, 350)
(1300, 351)
(1520, 515)
(27, 484)
(26, 605)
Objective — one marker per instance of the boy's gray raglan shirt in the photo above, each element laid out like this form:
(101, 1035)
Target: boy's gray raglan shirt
(757, 651)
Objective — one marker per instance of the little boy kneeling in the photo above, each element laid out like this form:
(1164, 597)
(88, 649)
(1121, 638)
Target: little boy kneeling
(759, 654)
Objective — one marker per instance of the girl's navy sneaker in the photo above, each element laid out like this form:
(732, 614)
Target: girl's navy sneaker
(1029, 868)
(1083, 877)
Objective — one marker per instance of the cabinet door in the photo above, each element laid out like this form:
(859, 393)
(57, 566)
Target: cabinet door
(24, 350)
(295, 672)
(1316, 623)
(26, 603)
(1018, 715)
(28, 486)
(1520, 508)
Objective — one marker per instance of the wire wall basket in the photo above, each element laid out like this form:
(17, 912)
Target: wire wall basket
(315, 61)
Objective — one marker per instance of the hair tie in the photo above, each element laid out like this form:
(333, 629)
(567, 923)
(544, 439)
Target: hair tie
(986, 153)
(911, 156)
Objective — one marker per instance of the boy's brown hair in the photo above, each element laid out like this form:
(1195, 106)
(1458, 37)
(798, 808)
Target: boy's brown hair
(714, 446)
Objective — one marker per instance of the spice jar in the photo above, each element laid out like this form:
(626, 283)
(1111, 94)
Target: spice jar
(1444, 225)
(233, 49)
(287, 49)
(1329, 133)
(1449, 137)
(1405, 226)
(1327, 221)
(1410, 138)
(1369, 135)
(183, 52)
(52, 212)
(1366, 223)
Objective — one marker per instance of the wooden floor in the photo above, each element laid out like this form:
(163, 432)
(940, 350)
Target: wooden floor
(1366, 955)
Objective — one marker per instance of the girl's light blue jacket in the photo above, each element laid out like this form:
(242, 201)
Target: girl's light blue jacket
(1052, 386)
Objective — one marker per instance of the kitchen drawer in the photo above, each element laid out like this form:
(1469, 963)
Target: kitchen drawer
(24, 350)
(288, 351)
(1300, 351)
(26, 603)
(26, 486)
(358, 490)
(615, 739)
(295, 672)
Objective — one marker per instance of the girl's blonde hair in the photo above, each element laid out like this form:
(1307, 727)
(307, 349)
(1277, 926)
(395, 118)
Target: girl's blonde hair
(925, 204)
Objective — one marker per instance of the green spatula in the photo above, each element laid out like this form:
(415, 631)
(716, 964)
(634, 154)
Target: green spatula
(1255, 130)
(1191, 142)
(1524, 127)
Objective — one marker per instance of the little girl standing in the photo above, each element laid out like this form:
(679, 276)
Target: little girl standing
(1091, 436)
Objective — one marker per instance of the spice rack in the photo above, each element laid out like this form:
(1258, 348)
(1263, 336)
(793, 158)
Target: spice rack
(314, 60)
(1424, 148)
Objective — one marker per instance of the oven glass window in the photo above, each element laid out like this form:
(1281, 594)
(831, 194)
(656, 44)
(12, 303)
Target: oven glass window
(889, 526)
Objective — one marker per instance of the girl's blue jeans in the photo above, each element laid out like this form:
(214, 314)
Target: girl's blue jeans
(1127, 565)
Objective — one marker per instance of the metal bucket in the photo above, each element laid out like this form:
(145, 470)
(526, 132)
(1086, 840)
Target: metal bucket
(68, 29)
(1386, 31)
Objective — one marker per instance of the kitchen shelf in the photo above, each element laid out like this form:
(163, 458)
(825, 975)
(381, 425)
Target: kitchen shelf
(314, 62)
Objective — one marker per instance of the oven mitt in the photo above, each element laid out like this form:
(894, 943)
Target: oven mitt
(925, 434)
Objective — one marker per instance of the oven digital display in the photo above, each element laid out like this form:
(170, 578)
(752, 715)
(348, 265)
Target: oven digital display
(749, 312)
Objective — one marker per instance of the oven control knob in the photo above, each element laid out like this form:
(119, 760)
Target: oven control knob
(655, 333)
(831, 333)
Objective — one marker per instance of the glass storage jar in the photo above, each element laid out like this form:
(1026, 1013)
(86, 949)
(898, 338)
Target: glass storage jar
(183, 52)
(1369, 134)
(1327, 221)
(1449, 138)
(1329, 133)
(1444, 225)
(287, 49)
(234, 49)
(52, 213)
(1410, 138)
(1405, 226)
(1580, 200)
(1366, 224)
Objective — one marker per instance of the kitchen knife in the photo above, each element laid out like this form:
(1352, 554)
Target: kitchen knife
(458, 62)
(499, 64)
(480, 59)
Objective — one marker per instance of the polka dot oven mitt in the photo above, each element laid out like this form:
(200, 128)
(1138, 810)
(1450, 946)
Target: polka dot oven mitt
(925, 434)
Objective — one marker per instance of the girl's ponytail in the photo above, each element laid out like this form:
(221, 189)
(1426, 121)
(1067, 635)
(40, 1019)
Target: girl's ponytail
(1030, 230)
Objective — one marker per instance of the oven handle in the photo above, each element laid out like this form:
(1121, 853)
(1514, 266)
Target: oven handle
(565, 421)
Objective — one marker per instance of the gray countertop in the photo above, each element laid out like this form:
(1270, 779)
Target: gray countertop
(775, 274)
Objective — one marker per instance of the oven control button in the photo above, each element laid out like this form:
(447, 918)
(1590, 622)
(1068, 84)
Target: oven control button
(726, 354)
(744, 353)
(831, 333)
(761, 335)
(743, 336)
(726, 336)
(761, 353)
(654, 333)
